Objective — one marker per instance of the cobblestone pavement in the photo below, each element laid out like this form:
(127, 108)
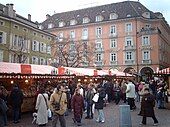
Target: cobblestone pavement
(112, 119)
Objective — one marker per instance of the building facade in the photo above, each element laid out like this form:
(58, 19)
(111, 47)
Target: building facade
(127, 36)
(21, 40)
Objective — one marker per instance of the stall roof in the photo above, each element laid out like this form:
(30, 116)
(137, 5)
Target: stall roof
(6, 67)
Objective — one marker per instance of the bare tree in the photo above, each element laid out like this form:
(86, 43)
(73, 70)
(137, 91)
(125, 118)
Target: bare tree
(19, 49)
(71, 53)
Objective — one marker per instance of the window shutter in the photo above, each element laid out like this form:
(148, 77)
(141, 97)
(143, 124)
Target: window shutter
(28, 46)
(4, 38)
(33, 45)
(38, 46)
(45, 48)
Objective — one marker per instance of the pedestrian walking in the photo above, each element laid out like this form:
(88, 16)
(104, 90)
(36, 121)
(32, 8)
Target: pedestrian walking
(42, 107)
(58, 105)
(100, 104)
(77, 104)
(147, 107)
(130, 94)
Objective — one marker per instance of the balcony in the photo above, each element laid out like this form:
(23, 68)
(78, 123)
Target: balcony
(129, 62)
(113, 62)
(149, 30)
(146, 47)
(113, 35)
(129, 47)
(84, 38)
(99, 63)
(146, 61)
(99, 50)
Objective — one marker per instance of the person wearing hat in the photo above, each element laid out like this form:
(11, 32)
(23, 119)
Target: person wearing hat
(147, 107)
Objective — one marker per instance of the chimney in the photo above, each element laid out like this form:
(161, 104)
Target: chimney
(47, 16)
(10, 10)
(29, 17)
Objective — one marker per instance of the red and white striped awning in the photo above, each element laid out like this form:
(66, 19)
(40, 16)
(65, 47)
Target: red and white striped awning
(25, 68)
(164, 71)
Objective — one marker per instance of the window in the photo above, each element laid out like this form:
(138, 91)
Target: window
(72, 34)
(86, 20)
(113, 29)
(98, 57)
(72, 47)
(98, 44)
(129, 41)
(34, 60)
(61, 36)
(2, 37)
(61, 24)
(50, 25)
(145, 40)
(2, 23)
(35, 46)
(42, 61)
(146, 55)
(113, 43)
(98, 31)
(113, 57)
(85, 33)
(16, 26)
(41, 47)
(113, 16)
(99, 18)
(25, 30)
(15, 41)
(128, 27)
(129, 56)
(73, 22)
(48, 49)
(40, 27)
(1, 56)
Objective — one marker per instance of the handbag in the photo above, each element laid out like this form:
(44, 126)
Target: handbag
(96, 97)
(57, 104)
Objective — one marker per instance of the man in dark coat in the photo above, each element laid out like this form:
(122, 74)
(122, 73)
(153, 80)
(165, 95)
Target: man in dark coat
(16, 98)
(77, 104)
(147, 107)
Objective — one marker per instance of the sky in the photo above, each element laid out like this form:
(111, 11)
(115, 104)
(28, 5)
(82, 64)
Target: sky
(39, 8)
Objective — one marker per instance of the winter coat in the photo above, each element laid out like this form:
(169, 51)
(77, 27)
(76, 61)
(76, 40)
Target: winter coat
(100, 103)
(77, 104)
(89, 96)
(147, 105)
(41, 107)
(55, 97)
(16, 97)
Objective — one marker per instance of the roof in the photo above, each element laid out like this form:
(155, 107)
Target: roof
(22, 19)
(122, 9)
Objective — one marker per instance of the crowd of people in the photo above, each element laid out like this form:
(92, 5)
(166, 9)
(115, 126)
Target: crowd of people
(65, 97)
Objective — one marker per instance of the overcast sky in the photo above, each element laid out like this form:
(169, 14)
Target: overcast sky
(39, 8)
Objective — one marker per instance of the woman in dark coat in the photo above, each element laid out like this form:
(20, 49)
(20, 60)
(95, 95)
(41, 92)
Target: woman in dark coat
(147, 107)
(77, 104)
(100, 104)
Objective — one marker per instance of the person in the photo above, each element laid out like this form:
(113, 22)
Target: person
(42, 107)
(147, 107)
(130, 94)
(4, 96)
(16, 99)
(58, 105)
(3, 109)
(100, 104)
(77, 104)
(160, 98)
(88, 97)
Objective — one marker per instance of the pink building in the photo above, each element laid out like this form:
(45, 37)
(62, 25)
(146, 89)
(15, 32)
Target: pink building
(127, 36)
